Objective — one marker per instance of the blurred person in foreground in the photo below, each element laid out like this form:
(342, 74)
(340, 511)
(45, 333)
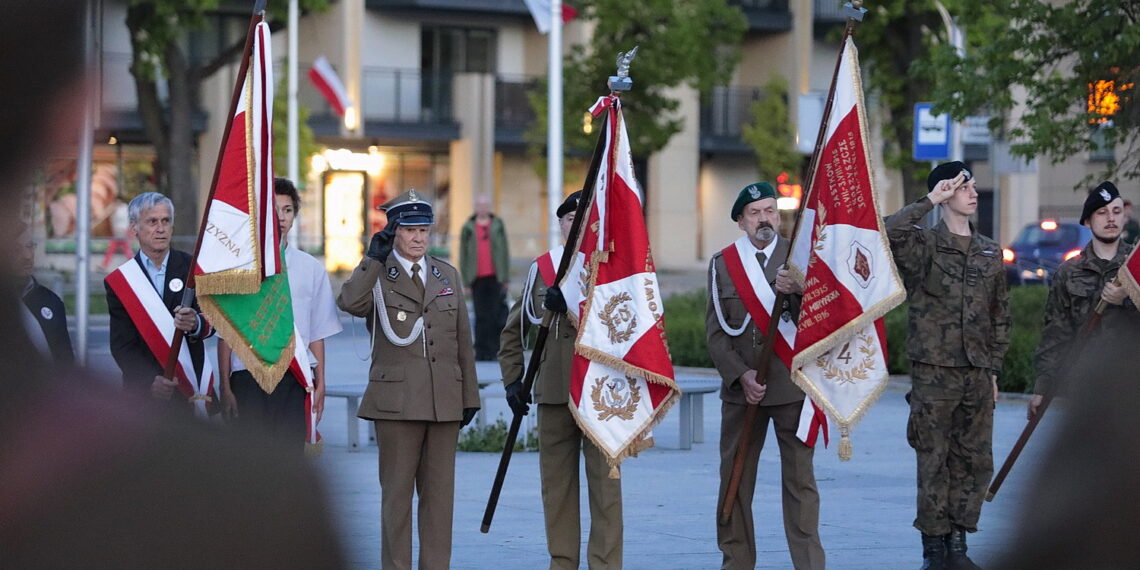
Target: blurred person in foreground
(1078, 286)
(43, 312)
(91, 479)
(561, 442)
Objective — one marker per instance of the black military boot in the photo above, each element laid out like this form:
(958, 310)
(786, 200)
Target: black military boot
(956, 558)
(933, 552)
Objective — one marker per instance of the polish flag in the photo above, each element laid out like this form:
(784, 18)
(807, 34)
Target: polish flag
(621, 379)
(842, 254)
(540, 11)
(326, 81)
(1129, 276)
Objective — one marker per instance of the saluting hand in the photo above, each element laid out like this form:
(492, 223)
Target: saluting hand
(945, 189)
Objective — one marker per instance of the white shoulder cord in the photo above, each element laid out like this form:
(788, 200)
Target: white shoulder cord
(528, 290)
(386, 325)
(720, 312)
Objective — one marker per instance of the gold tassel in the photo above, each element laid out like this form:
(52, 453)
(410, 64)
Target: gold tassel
(844, 445)
(614, 473)
(314, 450)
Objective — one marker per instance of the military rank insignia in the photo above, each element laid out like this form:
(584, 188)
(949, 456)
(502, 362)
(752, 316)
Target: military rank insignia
(435, 271)
(393, 273)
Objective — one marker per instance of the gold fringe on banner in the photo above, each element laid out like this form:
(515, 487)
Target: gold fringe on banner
(266, 375)
(233, 282)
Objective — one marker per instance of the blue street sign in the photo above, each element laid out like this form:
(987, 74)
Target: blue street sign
(931, 134)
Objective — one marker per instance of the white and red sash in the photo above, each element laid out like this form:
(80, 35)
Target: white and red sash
(155, 324)
(757, 295)
(302, 370)
(548, 265)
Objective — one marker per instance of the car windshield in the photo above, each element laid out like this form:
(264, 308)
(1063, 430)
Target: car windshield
(1064, 235)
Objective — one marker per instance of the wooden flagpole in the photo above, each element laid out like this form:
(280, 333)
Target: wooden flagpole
(855, 13)
(188, 291)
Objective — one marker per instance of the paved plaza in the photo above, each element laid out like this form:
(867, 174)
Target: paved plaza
(669, 494)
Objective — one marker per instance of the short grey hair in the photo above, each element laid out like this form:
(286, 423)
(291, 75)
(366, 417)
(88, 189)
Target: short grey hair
(147, 201)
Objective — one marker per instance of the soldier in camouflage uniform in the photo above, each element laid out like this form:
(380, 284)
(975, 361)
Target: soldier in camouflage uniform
(1081, 283)
(958, 332)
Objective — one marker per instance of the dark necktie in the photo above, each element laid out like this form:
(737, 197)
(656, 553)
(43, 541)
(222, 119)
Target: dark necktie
(761, 258)
(419, 283)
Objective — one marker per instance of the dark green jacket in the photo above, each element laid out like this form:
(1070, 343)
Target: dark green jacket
(469, 251)
(959, 300)
(1073, 295)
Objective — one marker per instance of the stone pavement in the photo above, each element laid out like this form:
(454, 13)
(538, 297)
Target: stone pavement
(669, 494)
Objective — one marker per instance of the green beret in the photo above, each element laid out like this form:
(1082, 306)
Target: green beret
(750, 194)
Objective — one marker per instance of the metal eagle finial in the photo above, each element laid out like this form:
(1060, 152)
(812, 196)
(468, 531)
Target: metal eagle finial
(621, 81)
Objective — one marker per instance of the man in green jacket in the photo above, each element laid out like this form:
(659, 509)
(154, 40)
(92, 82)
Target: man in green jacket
(485, 264)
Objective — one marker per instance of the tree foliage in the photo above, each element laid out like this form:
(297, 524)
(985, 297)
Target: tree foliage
(1033, 64)
(770, 134)
(682, 42)
(160, 32)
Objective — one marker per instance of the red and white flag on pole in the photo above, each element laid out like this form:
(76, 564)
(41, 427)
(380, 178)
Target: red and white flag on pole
(850, 280)
(328, 83)
(1130, 276)
(621, 381)
(540, 11)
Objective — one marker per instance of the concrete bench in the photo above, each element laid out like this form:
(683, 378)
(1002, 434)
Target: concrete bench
(692, 407)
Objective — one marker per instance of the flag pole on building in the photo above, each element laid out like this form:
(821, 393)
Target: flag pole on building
(554, 124)
(855, 13)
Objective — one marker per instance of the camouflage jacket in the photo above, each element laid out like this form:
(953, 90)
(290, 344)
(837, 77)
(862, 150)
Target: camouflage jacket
(1073, 295)
(959, 300)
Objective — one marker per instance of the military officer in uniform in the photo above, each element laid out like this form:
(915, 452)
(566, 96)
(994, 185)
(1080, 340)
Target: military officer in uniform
(560, 440)
(1079, 285)
(958, 333)
(752, 263)
(422, 386)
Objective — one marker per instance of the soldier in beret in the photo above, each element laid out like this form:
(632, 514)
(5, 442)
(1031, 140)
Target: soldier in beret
(958, 333)
(1079, 285)
(422, 386)
(561, 443)
(749, 269)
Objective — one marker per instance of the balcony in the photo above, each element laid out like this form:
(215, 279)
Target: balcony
(513, 113)
(765, 15)
(724, 113)
(397, 106)
(500, 7)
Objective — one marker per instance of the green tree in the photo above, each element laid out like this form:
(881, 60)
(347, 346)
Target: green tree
(1033, 66)
(160, 33)
(770, 134)
(683, 42)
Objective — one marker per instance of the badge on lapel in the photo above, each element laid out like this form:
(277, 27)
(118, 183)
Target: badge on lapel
(435, 271)
(393, 273)
(445, 292)
(176, 285)
(46, 312)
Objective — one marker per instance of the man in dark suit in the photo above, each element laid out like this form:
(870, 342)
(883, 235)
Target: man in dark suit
(44, 316)
(422, 386)
(740, 277)
(151, 218)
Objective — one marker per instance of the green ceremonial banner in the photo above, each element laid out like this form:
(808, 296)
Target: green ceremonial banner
(258, 326)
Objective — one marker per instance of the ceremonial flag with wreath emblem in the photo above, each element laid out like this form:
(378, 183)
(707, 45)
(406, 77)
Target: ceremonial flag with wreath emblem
(844, 259)
(621, 378)
(238, 274)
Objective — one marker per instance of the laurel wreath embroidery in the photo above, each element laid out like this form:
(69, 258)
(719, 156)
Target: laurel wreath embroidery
(842, 375)
(613, 317)
(608, 401)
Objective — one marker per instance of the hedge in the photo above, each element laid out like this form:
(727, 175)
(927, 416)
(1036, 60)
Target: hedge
(685, 325)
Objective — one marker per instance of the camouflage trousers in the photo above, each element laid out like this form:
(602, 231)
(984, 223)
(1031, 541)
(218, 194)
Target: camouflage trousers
(951, 430)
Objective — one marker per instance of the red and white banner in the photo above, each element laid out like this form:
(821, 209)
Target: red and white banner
(621, 380)
(302, 369)
(842, 253)
(328, 83)
(541, 11)
(1130, 276)
(239, 244)
(155, 324)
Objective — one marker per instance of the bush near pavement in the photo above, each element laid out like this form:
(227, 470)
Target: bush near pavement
(685, 325)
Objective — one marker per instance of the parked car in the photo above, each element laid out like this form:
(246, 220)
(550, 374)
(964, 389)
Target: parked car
(1040, 249)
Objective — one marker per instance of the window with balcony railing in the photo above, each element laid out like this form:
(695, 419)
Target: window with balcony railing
(726, 110)
(512, 102)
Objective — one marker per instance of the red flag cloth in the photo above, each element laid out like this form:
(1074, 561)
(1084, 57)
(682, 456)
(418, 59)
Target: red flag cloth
(328, 83)
(540, 11)
(1130, 276)
(621, 380)
(844, 259)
